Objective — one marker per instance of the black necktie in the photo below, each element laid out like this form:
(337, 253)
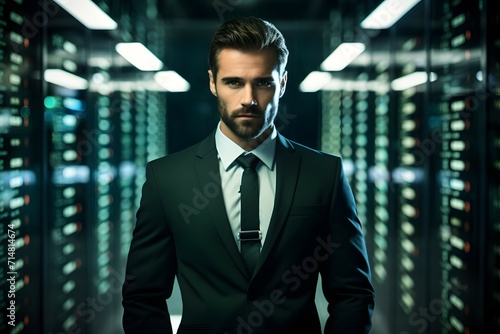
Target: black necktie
(250, 234)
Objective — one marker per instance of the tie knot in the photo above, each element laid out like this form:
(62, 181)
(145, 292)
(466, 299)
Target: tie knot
(248, 161)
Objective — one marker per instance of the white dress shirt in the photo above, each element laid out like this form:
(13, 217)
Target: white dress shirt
(231, 173)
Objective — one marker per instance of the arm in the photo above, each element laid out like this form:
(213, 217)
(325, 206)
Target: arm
(346, 276)
(151, 267)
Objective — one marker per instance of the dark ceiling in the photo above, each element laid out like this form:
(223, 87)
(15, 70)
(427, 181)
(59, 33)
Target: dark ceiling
(223, 9)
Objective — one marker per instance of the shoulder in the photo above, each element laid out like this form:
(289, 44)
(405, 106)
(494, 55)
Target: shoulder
(173, 160)
(177, 160)
(314, 160)
(309, 152)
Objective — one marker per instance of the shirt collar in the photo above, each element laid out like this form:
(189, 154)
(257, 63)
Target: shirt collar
(228, 150)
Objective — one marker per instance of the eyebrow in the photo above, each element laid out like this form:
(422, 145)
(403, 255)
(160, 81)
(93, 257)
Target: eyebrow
(226, 79)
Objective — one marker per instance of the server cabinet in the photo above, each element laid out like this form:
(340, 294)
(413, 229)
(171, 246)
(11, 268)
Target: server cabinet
(491, 90)
(433, 192)
(21, 168)
(72, 158)
(460, 171)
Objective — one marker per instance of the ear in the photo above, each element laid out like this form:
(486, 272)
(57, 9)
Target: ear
(213, 89)
(283, 84)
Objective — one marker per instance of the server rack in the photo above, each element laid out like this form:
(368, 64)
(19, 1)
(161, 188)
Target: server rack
(460, 170)
(21, 168)
(492, 100)
(71, 164)
(432, 220)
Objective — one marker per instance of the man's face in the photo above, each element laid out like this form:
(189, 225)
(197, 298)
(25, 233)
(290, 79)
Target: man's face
(248, 88)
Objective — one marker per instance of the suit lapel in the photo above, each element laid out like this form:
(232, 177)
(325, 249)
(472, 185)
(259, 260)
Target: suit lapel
(207, 171)
(287, 164)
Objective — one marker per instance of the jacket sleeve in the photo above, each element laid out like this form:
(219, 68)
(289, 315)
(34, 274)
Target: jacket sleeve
(151, 266)
(346, 275)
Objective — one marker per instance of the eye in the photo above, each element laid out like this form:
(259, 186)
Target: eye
(264, 83)
(233, 83)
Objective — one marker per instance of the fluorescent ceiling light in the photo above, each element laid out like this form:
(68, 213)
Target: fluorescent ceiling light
(99, 62)
(88, 13)
(139, 56)
(314, 81)
(356, 85)
(412, 80)
(387, 13)
(342, 56)
(172, 81)
(65, 79)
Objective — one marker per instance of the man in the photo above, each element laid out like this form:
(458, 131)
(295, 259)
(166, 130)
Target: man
(190, 221)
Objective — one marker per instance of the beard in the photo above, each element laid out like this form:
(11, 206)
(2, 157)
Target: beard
(246, 129)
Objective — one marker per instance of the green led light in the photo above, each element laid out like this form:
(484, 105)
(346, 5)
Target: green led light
(50, 102)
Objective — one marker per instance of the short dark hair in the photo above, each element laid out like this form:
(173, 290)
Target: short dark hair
(248, 34)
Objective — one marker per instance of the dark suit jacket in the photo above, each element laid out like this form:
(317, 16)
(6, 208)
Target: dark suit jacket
(182, 230)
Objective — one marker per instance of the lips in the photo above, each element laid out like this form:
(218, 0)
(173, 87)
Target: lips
(248, 113)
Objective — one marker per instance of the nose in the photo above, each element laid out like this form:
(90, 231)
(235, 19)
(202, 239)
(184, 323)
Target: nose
(248, 98)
